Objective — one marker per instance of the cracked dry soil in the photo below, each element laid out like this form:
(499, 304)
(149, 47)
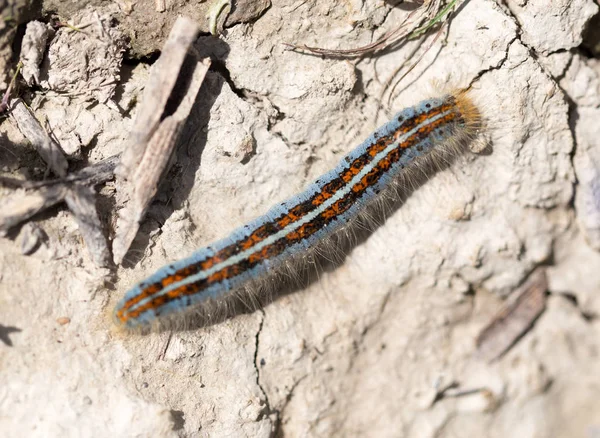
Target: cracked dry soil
(384, 345)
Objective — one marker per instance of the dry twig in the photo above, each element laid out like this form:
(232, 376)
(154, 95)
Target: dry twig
(154, 136)
(31, 128)
(514, 318)
(75, 189)
(416, 24)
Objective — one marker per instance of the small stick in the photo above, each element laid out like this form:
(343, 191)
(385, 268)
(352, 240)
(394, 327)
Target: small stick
(92, 175)
(21, 206)
(162, 354)
(31, 128)
(514, 318)
(81, 201)
(407, 30)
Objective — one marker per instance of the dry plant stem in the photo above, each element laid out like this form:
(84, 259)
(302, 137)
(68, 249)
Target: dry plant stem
(514, 318)
(147, 157)
(160, 85)
(388, 82)
(82, 203)
(31, 128)
(410, 68)
(412, 26)
(423, 29)
(382, 43)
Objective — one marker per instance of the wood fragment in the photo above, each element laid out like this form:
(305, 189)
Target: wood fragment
(147, 156)
(156, 94)
(21, 205)
(93, 175)
(36, 196)
(31, 128)
(82, 203)
(514, 318)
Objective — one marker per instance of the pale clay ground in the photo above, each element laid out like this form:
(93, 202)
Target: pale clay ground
(362, 351)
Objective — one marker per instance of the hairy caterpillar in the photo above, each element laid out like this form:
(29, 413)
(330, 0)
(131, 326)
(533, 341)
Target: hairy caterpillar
(415, 138)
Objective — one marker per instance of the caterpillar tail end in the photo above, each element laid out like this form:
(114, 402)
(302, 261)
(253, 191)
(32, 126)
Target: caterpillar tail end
(122, 322)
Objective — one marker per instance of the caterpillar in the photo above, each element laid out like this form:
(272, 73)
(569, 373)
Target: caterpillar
(415, 138)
